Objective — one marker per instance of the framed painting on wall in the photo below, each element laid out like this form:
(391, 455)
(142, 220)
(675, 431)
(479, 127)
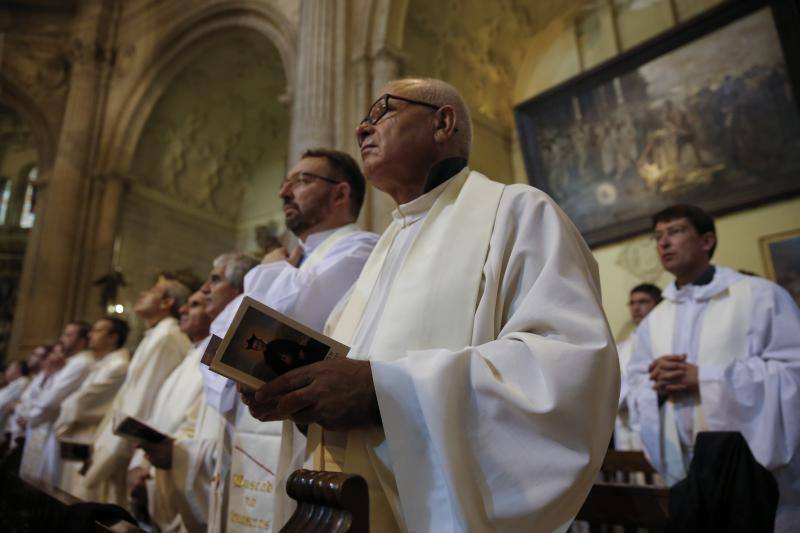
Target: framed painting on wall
(706, 113)
(781, 254)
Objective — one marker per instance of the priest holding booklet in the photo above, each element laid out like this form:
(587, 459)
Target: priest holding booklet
(482, 379)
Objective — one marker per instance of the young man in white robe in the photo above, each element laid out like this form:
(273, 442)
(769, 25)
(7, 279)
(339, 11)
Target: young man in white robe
(177, 397)
(17, 380)
(482, 380)
(721, 352)
(322, 196)
(82, 411)
(642, 299)
(161, 350)
(40, 457)
(14, 429)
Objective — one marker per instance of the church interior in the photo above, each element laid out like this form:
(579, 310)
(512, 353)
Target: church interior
(142, 137)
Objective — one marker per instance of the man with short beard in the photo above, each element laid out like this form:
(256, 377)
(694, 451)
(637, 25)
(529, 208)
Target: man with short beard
(322, 196)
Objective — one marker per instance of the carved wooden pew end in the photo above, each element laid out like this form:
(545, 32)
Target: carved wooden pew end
(328, 501)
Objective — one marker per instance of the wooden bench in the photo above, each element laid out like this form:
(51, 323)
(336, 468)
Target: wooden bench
(328, 501)
(629, 506)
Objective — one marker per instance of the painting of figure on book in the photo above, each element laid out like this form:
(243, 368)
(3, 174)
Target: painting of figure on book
(265, 348)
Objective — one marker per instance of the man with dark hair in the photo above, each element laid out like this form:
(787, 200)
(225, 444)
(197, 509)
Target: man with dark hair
(720, 353)
(161, 350)
(37, 460)
(643, 298)
(344, 168)
(82, 411)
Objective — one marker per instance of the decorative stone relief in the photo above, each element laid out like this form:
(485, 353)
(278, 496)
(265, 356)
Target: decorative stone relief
(211, 133)
(639, 257)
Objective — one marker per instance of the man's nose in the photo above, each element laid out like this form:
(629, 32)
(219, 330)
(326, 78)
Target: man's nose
(362, 131)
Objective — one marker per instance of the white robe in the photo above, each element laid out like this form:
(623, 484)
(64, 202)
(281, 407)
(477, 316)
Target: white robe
(497, 413)
(333, 260)
(158, 354)
(40, 460)
(743, 333)
(34, 388)
(175, 399)
(10, 395)
(83, 410)
(626, 434)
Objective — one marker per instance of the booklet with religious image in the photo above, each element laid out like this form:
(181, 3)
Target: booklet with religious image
(73, 450)
(263, 343)
(131, 428)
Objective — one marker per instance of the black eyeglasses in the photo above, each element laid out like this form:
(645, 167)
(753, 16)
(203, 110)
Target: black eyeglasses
(305, 178)
(381, 106)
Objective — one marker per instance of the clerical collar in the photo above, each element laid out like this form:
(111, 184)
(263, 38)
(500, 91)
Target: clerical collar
(705, 278)
(410, 212)
(315, 239)
(443, 171)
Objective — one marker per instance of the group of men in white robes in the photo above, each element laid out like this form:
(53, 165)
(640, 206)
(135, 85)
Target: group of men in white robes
(721, 352)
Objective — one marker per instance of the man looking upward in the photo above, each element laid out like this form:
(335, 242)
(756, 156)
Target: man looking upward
(482, 380)
(720, 353)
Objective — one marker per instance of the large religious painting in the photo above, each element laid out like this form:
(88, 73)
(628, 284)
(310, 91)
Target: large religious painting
(706, 114)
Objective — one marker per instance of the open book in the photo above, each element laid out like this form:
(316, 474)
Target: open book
(131, 428)
(73, 450)
(263, 343)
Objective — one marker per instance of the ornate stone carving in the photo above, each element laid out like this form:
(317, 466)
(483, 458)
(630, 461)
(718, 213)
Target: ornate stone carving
(639, 257)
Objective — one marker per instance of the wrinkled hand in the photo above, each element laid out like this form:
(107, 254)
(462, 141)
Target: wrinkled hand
(159, 454)
(137, 491)
(671, 374)
(278, 254)
(336, 393)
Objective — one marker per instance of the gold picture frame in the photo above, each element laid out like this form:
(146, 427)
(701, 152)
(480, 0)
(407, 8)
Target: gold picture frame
(781, 255)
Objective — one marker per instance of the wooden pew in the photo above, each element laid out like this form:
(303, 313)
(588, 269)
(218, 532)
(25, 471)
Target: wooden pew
(327, 501)
(629, 506)
(621, 465)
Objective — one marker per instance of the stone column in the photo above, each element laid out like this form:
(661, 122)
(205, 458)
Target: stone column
(314, 87)
(55, 255)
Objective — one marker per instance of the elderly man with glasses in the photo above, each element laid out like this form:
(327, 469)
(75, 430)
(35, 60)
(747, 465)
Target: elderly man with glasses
(482, 380)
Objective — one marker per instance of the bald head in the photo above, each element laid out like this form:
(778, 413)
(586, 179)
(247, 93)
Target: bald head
(439, 93)
(412, 125)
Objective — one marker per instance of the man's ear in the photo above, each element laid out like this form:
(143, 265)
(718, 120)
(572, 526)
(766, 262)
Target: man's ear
(166, 303)
(445, 125)
(708, 240)
(340, 195)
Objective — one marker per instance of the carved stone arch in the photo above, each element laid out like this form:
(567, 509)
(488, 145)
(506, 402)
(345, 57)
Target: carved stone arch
(45, 139)
(175, 51)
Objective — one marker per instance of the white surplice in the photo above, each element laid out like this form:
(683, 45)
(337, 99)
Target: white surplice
(175, 399)
(494, 368)
(160, 351)
(40, 460)
(34, 388)
(10, 395)
(626, 433)
(82, 411)
(237, 464)
(743, 333)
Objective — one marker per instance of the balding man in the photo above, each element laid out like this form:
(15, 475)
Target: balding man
(482, 380)
(161, 350)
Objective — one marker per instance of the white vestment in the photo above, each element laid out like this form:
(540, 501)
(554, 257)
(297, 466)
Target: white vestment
(743, 333)
(626, 433)
(237, 465)
(494, 368)
(175, 399)
(10, 395)
(158, 354)
(40, 460)
(83, 410)
(30, 393)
